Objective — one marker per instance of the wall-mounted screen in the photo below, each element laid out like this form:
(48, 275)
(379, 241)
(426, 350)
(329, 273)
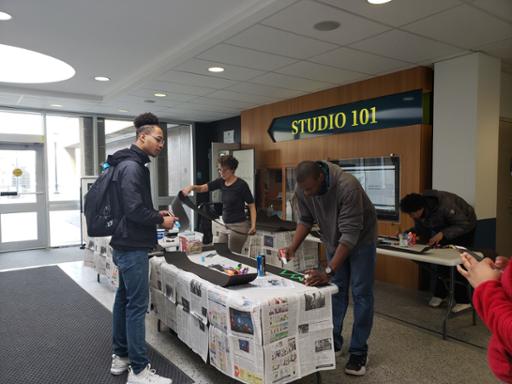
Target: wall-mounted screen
(380, 178)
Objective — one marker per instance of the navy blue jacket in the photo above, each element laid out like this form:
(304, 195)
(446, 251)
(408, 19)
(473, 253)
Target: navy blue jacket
(137, 228)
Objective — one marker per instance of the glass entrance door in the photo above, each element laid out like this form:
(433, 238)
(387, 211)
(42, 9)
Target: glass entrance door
(23, 214)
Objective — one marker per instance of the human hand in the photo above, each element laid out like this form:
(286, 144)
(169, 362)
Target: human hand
(434, 240)
(252, 231)
(501, 262)
(477, 272)
(164, 213)
(169, 221)
(314, 277)
(287, 253)
(186, 191)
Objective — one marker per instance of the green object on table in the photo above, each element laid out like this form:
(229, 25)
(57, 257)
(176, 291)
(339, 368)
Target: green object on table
(292, 275)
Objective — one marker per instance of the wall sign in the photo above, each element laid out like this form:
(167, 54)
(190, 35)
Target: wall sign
(390, 111)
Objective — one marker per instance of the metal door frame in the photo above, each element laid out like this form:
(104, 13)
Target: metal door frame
(40, 206)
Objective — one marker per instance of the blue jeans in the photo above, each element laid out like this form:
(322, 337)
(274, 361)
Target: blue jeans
(359, 270)
(130, 307)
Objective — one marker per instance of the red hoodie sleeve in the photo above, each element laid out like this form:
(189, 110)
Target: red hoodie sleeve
(494, 306)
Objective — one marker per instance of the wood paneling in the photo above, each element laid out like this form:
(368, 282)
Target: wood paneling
(412, 143)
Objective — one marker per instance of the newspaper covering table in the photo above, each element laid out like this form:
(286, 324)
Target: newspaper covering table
(273, 330)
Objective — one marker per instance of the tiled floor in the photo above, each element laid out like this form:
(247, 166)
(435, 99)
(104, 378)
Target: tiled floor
(399, 353)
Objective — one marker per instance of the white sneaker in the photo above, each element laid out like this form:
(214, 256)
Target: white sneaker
(119, 365)
(435, 301)
(460, 307)
(147, 375)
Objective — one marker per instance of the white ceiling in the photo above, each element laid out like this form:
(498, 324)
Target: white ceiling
(269, 49)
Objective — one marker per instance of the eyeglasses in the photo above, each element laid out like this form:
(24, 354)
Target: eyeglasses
(158, 139)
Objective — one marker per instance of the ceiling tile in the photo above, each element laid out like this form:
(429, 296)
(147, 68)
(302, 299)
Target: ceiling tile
(201, 107)
(177, 88)
(472, 28)
(351, 59)
(406, 47)
(302, 16)
(224, 102)
(231, 95)
(203, 80)
(149, 94)
(499, 8)
(321, 72)
(501, 49)
(229, 54)
(395, 13)
(231, 72)
(263, 38)
(266, 90)
(292, 82)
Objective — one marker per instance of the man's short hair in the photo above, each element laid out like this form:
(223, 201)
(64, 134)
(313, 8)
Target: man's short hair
(145, 122)
(228, 161)
(412, 202)
(307, 169)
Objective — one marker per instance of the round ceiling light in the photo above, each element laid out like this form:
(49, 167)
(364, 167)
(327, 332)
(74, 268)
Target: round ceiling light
(160, 94)
(378, 2)
(216, 69)
(23, 66)
(328, 25)
(123, 110)
(101, 78)
(56, 105)
(4, 16)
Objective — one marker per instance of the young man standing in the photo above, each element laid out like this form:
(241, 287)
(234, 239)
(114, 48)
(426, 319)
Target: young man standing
(131, 241)
(337, 202)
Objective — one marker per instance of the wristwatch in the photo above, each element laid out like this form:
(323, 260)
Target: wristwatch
(329, 271)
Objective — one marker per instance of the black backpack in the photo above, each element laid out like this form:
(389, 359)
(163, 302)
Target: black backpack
(102, 208)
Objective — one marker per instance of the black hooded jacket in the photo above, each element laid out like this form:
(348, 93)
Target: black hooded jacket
(137, 228)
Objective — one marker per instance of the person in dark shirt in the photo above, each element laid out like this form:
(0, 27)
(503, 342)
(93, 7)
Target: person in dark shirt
(134, 236)
(442, 218)
(235, 195)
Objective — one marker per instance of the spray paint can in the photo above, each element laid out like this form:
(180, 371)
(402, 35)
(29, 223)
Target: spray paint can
(260, 265)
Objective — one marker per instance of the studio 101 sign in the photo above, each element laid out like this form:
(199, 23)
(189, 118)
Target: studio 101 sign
(383, 112)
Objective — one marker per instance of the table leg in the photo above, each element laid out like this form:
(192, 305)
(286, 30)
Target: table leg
(158, 325)
(318, 378)
(451, 300)
(98, 277)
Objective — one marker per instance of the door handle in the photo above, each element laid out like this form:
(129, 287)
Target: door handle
(14, 193)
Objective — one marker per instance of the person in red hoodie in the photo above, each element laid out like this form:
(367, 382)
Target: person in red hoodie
(492, 300)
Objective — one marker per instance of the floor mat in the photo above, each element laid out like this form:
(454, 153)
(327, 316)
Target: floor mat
(52, 332)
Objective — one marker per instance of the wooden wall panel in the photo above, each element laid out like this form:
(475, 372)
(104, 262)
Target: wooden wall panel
(412, 143)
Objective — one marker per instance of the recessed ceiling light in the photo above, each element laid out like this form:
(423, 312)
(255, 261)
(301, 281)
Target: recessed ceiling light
(101, 78)
(56, 105)
(327, 25)
(160, 94)
(377, 2)
(30, 67)
(216, 69)
(4, 16)
(123, 110)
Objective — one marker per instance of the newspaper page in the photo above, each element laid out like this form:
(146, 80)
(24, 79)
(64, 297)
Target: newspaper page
(199, 298)
(279, 317)
(217, 307)
(244, 318)
(316, 347)
(199, 336)
(170, 315)
(169, 275)
(183, 324)
(314, 306)
(248, 364)
(183, 289)
(281, 361)
(220, 352)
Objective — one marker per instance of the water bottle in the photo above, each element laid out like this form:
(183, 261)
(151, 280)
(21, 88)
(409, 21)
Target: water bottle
(260, 265)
